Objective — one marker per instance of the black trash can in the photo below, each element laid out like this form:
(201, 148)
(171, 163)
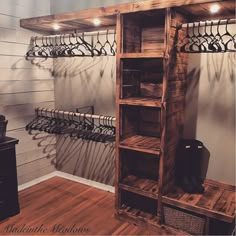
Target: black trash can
(188, 165)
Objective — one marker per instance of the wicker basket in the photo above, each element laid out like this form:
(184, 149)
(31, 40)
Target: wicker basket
(3, 128)
(182, 220)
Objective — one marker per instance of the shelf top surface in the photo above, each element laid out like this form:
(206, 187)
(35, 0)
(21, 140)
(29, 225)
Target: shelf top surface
(139, 101)
(7, 141)
(218, 201)
(142, 143)
(83, 20)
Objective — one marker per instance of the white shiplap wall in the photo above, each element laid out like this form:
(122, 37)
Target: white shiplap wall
(23, 87)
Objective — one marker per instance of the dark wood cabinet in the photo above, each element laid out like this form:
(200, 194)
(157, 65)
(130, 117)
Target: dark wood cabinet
(9, 205)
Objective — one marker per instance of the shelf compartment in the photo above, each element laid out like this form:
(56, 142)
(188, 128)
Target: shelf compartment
(141, 186)
(142, 79)
(135, 214)
(137, 101)
(138, 207)
(142, 144)
(140, 127)
(144, 32)
(139, 170)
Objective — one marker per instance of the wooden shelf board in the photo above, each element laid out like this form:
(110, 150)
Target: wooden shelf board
(138, 214)
(216, 202)
(201, 11)
(165, 230)
(83, 19)
(142, 55)
(142, 144)
(145, 187)
(138, 101)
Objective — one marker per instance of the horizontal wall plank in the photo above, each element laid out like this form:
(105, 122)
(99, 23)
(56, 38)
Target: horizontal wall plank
(23, 74)
(29, 143)
(19, 62)
(16, 36)
(18, 122)
(9, 22)
(42, 5)
(14, 49)
(29, 174)
(32, 156)
(35, 165)
(21, 11)
(25, 86)
(28, 109)
(22, 98)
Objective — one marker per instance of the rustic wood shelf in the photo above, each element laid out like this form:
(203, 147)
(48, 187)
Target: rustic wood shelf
(134, 213)
(142, 143)
(145, 187)
(217, 202)
(159, 54)
(136, 101)
(83, 20)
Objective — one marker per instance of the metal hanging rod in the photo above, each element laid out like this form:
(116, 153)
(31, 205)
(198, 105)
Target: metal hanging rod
(93, 33)
(46, 111)
(208, 23)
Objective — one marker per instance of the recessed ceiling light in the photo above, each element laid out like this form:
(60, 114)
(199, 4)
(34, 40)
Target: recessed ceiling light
(214, 8)
(55, 26)
(96, 22)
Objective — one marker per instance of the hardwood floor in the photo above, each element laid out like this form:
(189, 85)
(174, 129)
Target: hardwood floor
(62, 207)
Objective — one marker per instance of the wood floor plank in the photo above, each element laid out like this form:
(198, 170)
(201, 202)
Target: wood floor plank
(59, 205)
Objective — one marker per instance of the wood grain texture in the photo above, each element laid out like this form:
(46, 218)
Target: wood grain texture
(50, 203)
(142, 143)
(157, 54)
(173, 96)
(138, 101)
(145, 187)
(119, 79)
(44, 23)
(216, 202)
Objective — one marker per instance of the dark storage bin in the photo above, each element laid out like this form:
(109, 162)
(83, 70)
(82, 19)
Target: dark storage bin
(188, 165)
(183, 220)
(3, 129)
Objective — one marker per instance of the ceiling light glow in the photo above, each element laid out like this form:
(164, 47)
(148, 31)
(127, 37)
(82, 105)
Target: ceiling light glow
(55, 26)
(214, 8)
(96, 22)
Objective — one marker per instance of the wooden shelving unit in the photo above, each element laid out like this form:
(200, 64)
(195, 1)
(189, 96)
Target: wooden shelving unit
(151, 81)
(141, 93)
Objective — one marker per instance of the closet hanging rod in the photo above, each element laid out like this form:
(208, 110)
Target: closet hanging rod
(94, 33)
(46, 111)
(209, 23)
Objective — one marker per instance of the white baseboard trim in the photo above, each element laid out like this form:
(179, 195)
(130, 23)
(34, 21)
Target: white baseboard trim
(86, 181)
(36, 181)
(70, 177)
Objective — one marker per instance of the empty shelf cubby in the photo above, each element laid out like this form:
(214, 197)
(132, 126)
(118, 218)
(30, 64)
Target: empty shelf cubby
(142, 78)
(144, 32)
(139, 173)
(141, 128)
